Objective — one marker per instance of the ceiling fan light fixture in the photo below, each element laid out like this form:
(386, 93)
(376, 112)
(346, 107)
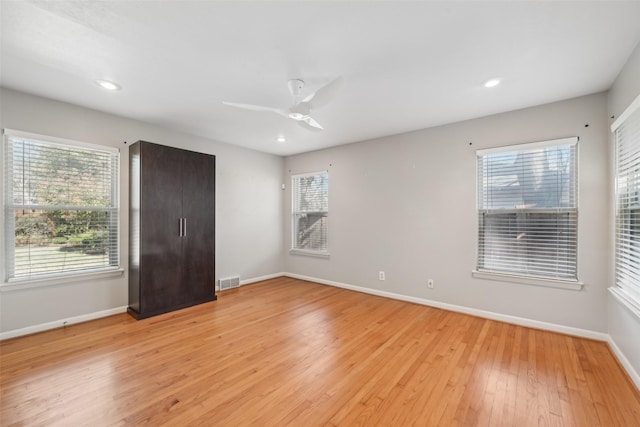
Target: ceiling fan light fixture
(108, 85)
(492, 82)
(296, 116)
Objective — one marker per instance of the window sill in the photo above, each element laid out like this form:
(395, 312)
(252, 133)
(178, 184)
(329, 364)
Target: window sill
(627, 301)
(535, 281)
(19, 284)
(309, 253)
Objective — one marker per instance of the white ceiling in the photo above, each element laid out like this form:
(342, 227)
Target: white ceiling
(407, 65)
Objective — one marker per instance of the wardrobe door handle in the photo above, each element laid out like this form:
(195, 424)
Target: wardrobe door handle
(184, 227)
(180, 220)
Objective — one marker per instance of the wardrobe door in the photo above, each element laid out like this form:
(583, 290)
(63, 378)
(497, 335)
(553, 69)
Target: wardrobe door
(198, 211)
(160, 240)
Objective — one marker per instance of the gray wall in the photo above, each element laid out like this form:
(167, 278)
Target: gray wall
(406, 205)
(624, 327)
(248, 207)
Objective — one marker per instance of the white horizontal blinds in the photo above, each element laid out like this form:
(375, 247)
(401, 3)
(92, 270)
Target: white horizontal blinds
(310, 200)
(628, 205)
(61, 205)
(527, 210)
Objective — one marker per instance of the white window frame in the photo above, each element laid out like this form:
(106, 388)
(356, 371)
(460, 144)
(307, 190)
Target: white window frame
(299, 251)
(10, 284)
(512, 277)
(628, 293)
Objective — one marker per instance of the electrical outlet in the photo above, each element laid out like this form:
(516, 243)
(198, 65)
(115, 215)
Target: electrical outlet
(381, 275)
(430, 283)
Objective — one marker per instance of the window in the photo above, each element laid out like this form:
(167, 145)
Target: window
(310, 213)
(527, 210)
(60, 206)
(627, 170)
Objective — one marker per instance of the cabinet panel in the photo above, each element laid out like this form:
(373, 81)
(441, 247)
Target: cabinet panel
(198, 209)
(160, 241)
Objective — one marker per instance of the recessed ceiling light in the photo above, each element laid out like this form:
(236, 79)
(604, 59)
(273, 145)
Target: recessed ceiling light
(281, 139)
(106, 84)
(492, 83)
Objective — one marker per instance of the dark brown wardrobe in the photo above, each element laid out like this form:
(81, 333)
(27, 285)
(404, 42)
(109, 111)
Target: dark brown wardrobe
(171, 229)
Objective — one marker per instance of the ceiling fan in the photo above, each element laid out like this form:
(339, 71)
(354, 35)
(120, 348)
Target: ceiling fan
(301, 110)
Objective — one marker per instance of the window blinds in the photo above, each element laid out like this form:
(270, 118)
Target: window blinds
(61, 207)
(310, 206)
(527, 209)
(627, 240)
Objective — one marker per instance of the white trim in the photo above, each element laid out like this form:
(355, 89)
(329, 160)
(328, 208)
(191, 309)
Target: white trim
(628, 367)
(304, 175)
(49, 278)
(261, 278)
(61, 323)
(573, 285)
(294, 250)
(573, 140)
(58, 279)
(627, 301)
(530, 323)
(304, 252)
(626, 113)
(46, 139)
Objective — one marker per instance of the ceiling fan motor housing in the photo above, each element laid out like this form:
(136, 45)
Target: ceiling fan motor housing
(299, 111)
(295, 85)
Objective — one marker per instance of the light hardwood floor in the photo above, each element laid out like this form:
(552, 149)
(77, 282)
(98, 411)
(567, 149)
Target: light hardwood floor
(289, 352)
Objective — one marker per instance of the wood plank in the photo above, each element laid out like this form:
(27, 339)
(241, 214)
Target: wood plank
(291, 352)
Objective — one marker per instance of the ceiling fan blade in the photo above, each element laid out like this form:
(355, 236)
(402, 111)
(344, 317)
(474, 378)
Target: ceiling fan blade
(310, 124)
(325, 94)
(257, 108)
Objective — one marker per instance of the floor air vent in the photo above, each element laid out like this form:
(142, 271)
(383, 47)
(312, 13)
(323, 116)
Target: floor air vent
(229, 282)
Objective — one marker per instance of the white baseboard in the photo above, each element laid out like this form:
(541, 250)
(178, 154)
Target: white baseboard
(568, 330)
(633, 374)
(250, 280)
(261, 278)
(460, 309)
(61, 323)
